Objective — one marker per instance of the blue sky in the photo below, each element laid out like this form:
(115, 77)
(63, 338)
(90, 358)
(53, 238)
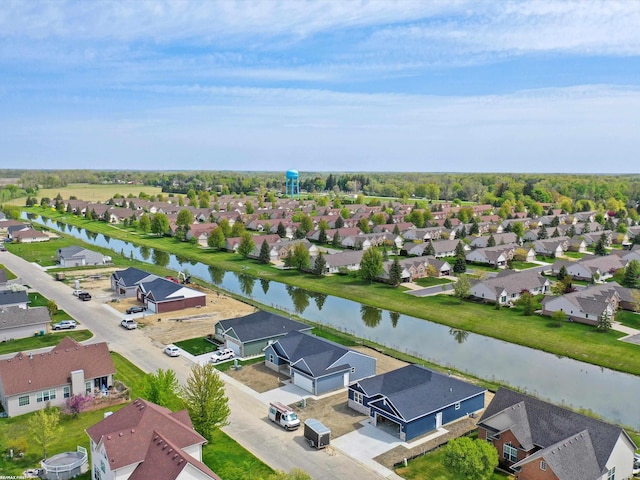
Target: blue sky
(332, 86)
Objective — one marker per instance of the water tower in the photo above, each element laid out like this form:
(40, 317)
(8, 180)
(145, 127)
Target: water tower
(292, 186)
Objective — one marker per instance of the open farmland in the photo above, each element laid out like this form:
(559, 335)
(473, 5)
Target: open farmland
(92, 192)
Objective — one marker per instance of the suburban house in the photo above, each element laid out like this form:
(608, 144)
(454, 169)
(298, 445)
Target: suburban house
(144, 441)
(413, 400)
(585, 306)
(162, 295)
(416, 267)
(17, 322)
(590, 267)
(496, 256)
(125, 282)
(317, 365)
(541, 441)
(28, 235)
(349, 260)
(250, 335)
(447, 248)
(11, 298)
(28, 382)
(201, 232)
(75, 256)
(508, 285)
(551, 247)
(499, 238)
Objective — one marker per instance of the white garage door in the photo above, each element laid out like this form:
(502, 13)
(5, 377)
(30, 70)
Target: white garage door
(303, 382)
(233, 346)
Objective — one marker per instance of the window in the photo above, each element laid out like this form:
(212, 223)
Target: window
(612, 474)
(88, 388)
(353, 369)
(66, 392)
(509, 453)
(102, 467)
(45, 396)
(23, 401)
(271, 358)
(543, 465)
(357, 397)
(457, 406)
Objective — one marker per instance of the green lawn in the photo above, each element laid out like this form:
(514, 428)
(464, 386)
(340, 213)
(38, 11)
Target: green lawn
(325, 332)
(576, 255)
(430, 467)
(431, 281)
(49, 340)
(196, 346)
(516, 265)
(629, 319)
(224, 366)
(10, 274)
(231, 461)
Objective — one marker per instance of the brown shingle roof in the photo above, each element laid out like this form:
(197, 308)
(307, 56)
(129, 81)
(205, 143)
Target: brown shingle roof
(27, 373)
(164, 460)
(127, 433)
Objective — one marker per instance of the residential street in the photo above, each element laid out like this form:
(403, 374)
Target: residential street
(248, 425)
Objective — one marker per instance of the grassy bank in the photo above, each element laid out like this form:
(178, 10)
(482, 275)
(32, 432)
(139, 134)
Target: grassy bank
(572, 340)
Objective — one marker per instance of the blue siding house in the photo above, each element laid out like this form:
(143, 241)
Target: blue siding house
(414, 400)
(315, 364)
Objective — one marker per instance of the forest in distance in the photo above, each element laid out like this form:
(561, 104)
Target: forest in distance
(573, 193)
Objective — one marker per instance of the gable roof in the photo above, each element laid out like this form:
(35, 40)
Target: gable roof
(132, 276)
(15, 316)
(128, 433)
(10, 297)
(166, 460)
(314, 355)
(414, 391)
(27, 373)
(161, 289)
(260, 325)
(538, 423)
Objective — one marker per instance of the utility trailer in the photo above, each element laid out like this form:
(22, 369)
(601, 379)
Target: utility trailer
(316, 433)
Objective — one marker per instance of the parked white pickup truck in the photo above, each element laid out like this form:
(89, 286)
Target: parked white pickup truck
(283, 415)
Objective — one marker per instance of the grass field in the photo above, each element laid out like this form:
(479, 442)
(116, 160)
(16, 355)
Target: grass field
(49, 340)
(10, 274)
(196, 346)
(431, 281)
(91, 192)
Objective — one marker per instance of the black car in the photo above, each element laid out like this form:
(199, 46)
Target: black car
(84, 296)
(137, 309)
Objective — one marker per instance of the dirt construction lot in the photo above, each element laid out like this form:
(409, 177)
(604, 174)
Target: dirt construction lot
(164, 328)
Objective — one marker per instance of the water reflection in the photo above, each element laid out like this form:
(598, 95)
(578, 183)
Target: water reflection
(299, 298)
(459, 335)
(247, 283)
(319, 298)
(106, 238)
(160, 257)
(265, 285)
(371, 316)
(216, 274)
(394, 316)
(181, 260)
(145, 252)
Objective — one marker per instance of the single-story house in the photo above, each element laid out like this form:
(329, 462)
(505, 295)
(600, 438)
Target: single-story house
(11, 298)
(146, 441)
(28, 382)
(125, 282)
(539, 440)
(590, 267)
(551, 247)
(201, 232)
(447, 248)
(28, 235)
(508, 285)
(250, 335)
(162, 295)
(17, 322)
(499, 238)
(585, 306)
(349, 259)
(415, 400)
(317, 365)
(496, 256)
(75, 256)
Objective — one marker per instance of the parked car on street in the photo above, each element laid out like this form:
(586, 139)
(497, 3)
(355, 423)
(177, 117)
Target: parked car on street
(222, 354)
(64, 325)
(84, 296)
(172, 351)
(76, 293)
(129, 324)
(136, 309)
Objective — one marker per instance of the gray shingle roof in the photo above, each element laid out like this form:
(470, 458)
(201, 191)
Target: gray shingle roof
(131, 276)
(415, 391)
(539, 423)
(11, 317)
(9, 297)
(259, 325)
